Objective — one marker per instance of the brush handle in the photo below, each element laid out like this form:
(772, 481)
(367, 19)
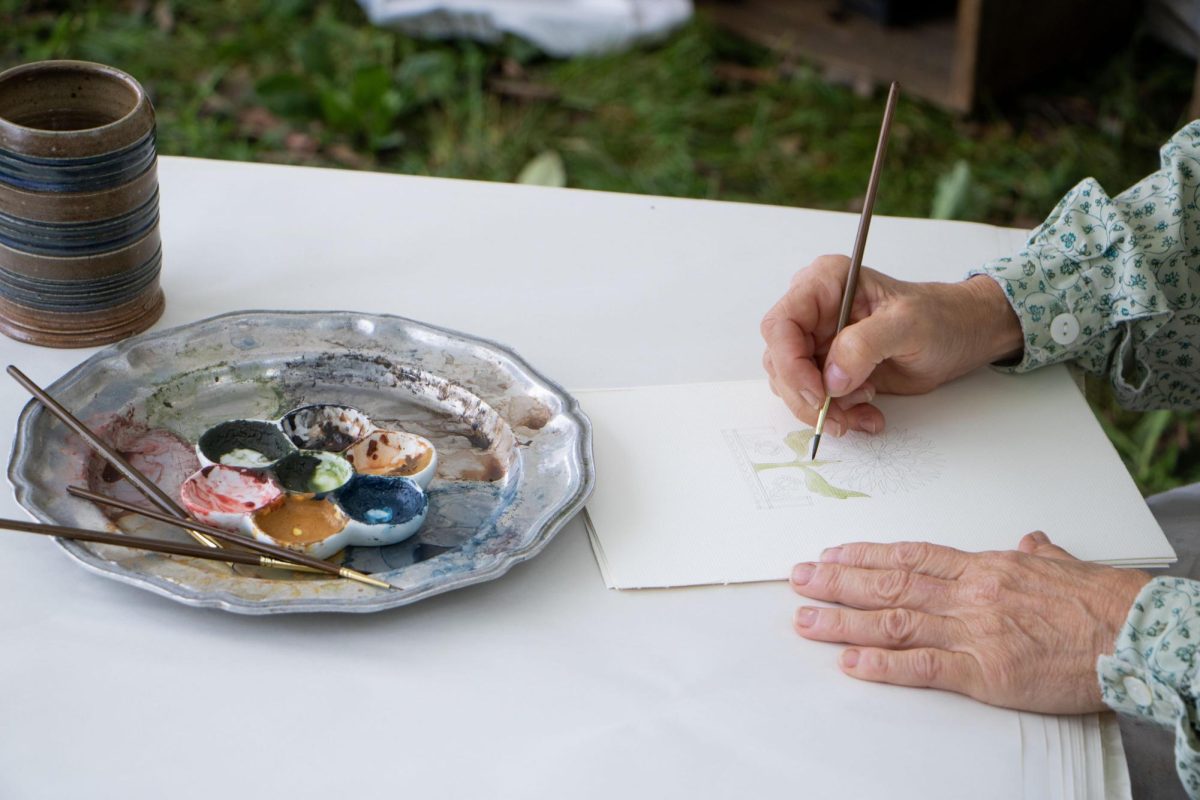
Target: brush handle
(864, 220)
(148, 489)
(123, 540)
(237, 539)
(860, 240)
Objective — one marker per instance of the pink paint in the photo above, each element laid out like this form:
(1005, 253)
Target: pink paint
(223, 496)
(159, 454)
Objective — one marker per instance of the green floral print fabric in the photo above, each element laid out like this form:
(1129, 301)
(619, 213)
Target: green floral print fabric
(1113, 283)
(1152, 671)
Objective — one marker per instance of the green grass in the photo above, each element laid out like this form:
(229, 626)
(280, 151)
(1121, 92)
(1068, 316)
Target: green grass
(702, 115)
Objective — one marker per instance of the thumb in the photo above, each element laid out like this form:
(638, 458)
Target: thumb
(1039, 544)
(860, 348)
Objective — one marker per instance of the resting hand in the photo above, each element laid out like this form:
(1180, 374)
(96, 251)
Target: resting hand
(903, 338)
(1016, 629)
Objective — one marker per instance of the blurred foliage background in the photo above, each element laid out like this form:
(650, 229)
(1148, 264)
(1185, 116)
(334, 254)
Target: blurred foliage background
(703, 114)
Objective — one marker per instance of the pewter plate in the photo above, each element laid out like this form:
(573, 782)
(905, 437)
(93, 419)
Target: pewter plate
(515, 458)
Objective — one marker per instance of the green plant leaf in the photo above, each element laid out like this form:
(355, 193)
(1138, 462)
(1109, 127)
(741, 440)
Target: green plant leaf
(337, 108)
(952, 193)
(288, 94)
(546, 169)
(1148, 433)
(314, 51)
(429, 76)
(369, 86)
(800, 441)
(818, 485)
(1120, 440)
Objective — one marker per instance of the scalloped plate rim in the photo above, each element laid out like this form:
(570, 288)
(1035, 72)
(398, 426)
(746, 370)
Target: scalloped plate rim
(186, 595)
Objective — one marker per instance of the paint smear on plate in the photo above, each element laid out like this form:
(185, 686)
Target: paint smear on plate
(163, 457)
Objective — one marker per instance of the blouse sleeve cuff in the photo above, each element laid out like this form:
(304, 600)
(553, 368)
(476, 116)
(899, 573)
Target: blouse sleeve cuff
(1152, 671)
(1070, 286)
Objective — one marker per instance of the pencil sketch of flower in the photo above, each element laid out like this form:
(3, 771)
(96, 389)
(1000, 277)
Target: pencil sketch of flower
(814, 482)
(892, 462)
(761, 448)
(783, 488)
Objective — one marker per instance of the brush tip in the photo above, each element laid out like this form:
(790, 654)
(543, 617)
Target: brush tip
(816, 443)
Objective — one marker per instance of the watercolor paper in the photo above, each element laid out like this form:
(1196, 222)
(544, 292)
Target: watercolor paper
(711, 483)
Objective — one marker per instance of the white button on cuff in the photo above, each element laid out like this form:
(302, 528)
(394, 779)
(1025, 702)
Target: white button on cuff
(1064, 329)
(1138, 691)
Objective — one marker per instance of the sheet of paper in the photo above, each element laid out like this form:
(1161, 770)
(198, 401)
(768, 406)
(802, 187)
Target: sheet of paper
(1093, 747)
(1117, 785)
(1035, 763)
(712, 483)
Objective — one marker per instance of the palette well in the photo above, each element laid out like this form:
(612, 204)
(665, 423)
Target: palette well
(224, 412)
(288, 482)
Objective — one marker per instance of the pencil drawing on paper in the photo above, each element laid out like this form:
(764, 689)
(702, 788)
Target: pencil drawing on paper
(778, 472)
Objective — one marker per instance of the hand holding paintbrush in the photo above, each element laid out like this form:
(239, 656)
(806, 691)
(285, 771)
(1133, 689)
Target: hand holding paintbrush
(842, 331)
(860, 243)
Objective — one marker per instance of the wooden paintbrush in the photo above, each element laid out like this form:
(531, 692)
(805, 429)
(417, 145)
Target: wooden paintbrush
(236, 539)
(860, 241)
(277, 557)
(138, 542)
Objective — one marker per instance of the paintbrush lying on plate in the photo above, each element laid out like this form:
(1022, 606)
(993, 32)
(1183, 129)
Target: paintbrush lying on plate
(135, 542)
(272, 556)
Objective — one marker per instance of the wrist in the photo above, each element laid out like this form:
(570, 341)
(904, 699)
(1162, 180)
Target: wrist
(999, 338)
(1120, 591)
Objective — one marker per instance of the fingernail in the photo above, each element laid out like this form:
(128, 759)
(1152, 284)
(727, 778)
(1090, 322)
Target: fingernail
(810, 398)
(836, 379)
(805, 617)
(869, 426)
(850, 658)
(830, 555)
(801, 574)
(858, 396)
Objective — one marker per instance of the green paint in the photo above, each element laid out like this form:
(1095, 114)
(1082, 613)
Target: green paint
(191, 402)
(328, 475)
(799, 442)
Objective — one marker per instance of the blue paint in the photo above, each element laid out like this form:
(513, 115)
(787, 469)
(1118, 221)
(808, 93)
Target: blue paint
(382, 500)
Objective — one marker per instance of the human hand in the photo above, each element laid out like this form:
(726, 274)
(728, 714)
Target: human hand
(902, 338)
(1015, 629)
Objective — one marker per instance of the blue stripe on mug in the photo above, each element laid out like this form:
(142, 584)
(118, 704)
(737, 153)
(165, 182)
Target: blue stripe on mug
(79, 238)
(77, 174)
(59, 296)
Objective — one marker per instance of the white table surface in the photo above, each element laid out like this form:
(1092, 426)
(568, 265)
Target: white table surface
(543, 683)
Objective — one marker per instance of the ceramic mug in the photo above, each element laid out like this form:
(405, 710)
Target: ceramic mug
(80, 254)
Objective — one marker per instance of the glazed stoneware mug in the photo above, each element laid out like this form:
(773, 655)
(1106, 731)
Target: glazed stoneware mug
(80, 254)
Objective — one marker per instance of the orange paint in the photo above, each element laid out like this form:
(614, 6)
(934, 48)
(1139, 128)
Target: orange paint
(301, 520)
(390, 453)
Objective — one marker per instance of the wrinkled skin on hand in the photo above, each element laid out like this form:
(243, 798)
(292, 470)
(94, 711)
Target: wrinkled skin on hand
(1020, 629)
(903, 338)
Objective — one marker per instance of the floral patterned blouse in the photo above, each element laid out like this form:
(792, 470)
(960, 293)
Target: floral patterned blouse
(1114, 285)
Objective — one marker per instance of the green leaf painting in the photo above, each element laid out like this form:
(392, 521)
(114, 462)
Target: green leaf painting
(799, 442)
(818, 485)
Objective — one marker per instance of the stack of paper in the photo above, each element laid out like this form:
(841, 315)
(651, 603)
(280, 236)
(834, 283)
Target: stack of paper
(712, 483)
(1073, 757)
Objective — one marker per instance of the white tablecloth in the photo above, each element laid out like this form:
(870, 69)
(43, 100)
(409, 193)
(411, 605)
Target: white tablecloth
(541, 684)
